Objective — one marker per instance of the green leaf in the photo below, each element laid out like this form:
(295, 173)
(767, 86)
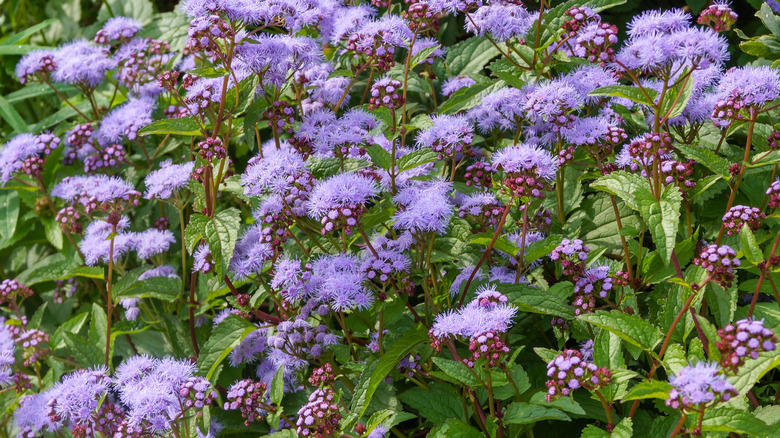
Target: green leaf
(535, 300)
(277, 386)
(253, 114)
(622, 184)
(18, 49)
(470, 56)
(454, 428)
(770, 20)
(32, 30)
(9, 113)
(749, 246)
(541, 248)
(84, 351)
(220, 232)
(677, 98)
(624, 429)
(455, 372)
(501, 244)
(180, 126)
(727, 419)
(53, 231)
(9, 213)
(209, 72)
(437, 404)
(632, 329)
(163, 288)
(97, 327)
(402, 346)
(380, 156)
(247, 89)
(753, 370)
(225, 337)
(629, 92)
(524, 413)
(662, 217)
(34, 90)
(416, 158)
(422, 55)
(649, 389)
(706, 157)
(469, 97)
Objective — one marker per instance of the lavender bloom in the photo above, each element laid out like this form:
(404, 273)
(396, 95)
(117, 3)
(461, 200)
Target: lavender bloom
(500, 109)
(587, 78)
(424, 207)
(346, 21)
(31, 415)
(338, 281)
(698, 385)
(424, 43)
(551, 103)
(273, 56)
(328, 135)
(125, 121)
(462, 277)
(168, 179)
(7, 358)
(203, 263)
(297, 339)
(77, 397)
(14, 154)
(753, 86)
(658, 22)
(389, 259)
(449, 136)
(246, 352)
(281, 172)
(100, 188)
(526, 159)
(202, 93)
(152, 242)
(250, 253)
(391, 30)
(489, 311)
(117, 29)
(131, 308)
(437, 7)
(96, 244)
(34, 63)
(378, 432)
(340, 194)
(516, 237)
(455, 83)
(82, 64)
(502, 20)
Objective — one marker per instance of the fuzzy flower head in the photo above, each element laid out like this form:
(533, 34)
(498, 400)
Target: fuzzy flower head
(455, 83)
(21, 151)
(168, 179)
(424, 207)
(551, 103)
(338, 282)
(746, 87)
(718, 16)
(527, 169)
(719, 262)
(250, 253)
(658, 22)
(118, 29)
(109, 193)
(82, 64)
(152, 242)
(35, 65)
(501, 20)
(339, 201)
(274, 56)
(698, 386)
(481, 208)
(450, 137)
(375, 42)
(97, 245)
(501, 109)
(125, 121)
(488, 312)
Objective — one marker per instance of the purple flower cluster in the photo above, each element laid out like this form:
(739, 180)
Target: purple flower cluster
(699, 386)
(339, 201)
(320, 416)
(572, 255)
(450, 137)
(569, 371)
(424, 207)
(746, 338)
(488, 312)
(739, 215)
(719, 262)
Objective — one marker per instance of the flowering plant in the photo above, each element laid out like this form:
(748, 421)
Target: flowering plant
(361, 219)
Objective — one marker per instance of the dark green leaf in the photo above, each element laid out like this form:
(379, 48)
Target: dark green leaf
(380, 156)
(629, 92)
(179, 126)
(524, 413)
(437, 404)
(9, 113)
(9, 213)
(632, 329)
(277, 386)
(649, 389)
(225, 337)
(416, 158)
(727, 419)
(709, 159)
(622, 184)
(457, 372)
(662, 217)
(536, 300)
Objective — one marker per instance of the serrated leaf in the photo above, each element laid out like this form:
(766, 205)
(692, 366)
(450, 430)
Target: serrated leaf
(437, 404)
(53, 231)
(84, 351)
(622, 184)
(454, 428)
(536, 300)
(416, 158)
(727, 419)
(225, 337)
(524, 413)
(380, 156)
(470, 56)
(422, 55)
(179, 126)
(649, 389)
(632, 329)
(753, 370)
(662, 217)
(386, 363)
(541, 248)
(706, 157)
(220, 232)
(624, 429)
(501, 244)
(469, 97)
(162, 288)
(457, 372)
(749, 246)
(629, 92)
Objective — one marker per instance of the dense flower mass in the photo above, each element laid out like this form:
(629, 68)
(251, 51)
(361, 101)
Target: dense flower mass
(372, 218)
